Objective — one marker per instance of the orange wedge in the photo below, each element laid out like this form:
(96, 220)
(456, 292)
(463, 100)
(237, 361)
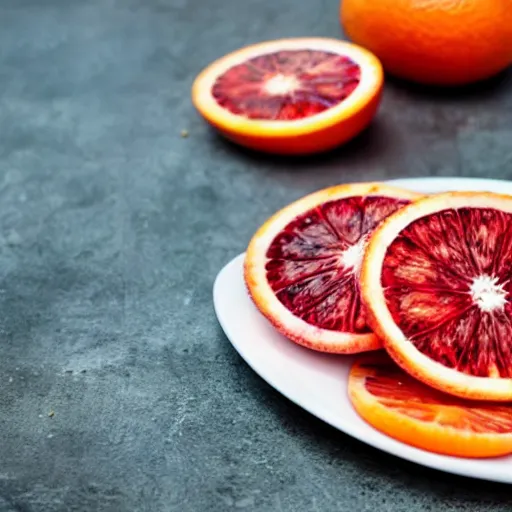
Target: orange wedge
(302, 266)
(291, 96)
(396, 404)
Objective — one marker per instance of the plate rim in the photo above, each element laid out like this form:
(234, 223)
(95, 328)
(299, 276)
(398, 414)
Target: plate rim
(423, 457)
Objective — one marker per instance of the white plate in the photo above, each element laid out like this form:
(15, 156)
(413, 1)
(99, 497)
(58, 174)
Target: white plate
(318, 382)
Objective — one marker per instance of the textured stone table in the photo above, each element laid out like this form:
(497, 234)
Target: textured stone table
(119, 390)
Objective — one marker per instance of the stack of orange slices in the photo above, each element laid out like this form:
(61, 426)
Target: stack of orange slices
(421, 283)
(364, 267)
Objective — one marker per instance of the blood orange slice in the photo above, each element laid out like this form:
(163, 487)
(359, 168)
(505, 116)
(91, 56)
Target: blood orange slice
(437, 281)
(302, 266)
(291, 96)
(403, 408)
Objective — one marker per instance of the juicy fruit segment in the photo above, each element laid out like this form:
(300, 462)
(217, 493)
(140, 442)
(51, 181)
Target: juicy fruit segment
(446, 280)
(313, 263)
(287, 84)
(409, 411)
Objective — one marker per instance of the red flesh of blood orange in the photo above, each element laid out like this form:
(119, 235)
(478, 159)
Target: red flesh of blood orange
(302, 266)
(291, 96)
(409, 411)
(287, 85)
(437, 280)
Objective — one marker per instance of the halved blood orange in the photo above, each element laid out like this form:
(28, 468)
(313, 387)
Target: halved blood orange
(302, 266)
(436, 279)
(291, 96)
(403, 408)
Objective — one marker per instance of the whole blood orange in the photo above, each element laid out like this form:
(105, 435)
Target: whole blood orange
(302, 266)
(442, 42)
(436, 279)
(403, 408)
(291, 96)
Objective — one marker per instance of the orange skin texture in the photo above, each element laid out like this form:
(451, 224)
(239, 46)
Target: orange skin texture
(445, 424)
(316, 141)
(436, 42)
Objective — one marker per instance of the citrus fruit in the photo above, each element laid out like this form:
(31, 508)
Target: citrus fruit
(441, 42)
(302, 266)
(436, 279)
(291, 96)
(403, 408)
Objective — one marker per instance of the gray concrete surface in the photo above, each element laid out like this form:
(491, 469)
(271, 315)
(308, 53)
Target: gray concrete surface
(112, 229)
